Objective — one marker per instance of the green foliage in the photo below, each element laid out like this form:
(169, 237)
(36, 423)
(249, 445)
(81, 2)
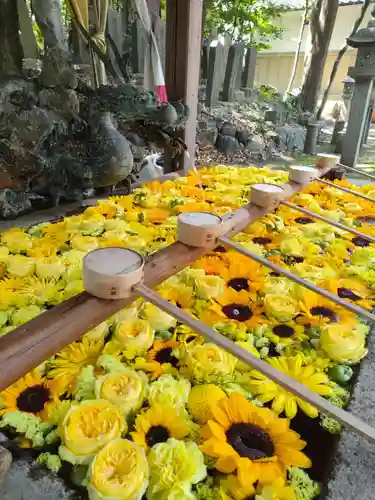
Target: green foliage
(249, 21)
(28, 425)
(52, 462)
(304, 487)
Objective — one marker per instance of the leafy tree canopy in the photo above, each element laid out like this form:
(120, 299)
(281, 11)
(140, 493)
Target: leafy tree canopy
(250, 21)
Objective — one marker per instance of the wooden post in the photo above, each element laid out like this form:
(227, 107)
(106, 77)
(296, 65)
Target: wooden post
(183, 49)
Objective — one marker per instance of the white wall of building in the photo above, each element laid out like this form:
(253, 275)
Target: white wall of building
(291, 23)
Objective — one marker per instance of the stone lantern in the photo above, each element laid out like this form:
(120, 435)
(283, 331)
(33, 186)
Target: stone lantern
(348, 90)
(364, 74)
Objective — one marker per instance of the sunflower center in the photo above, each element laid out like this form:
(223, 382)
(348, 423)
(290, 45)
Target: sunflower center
(157, 434)
(283, 331)
(360, 242)
(294, 259)
(325, 312)
(304, 220)
(238, 312)
(165, 356)
(366, 219)
(261, 240)
(239, 284)
(346, 293)
(250, 441)
(220, 249)
(33, 399)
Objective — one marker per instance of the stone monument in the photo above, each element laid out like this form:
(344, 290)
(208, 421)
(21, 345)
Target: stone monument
(364, 74)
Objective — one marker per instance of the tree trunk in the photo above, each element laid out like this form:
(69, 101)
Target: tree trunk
(11, 52)
(298, 50)
(322, 21)
(340, 55)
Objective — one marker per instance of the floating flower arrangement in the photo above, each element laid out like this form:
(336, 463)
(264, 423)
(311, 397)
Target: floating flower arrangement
(142, 407)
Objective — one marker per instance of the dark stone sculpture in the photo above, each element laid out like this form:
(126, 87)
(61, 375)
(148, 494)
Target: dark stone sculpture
(59, 137)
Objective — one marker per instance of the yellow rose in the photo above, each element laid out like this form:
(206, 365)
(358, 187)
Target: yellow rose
(87, 428)
(278, 286)
(241, 366)
(209, 287)
(291, 246)
(208, 360)
(73, 257)
(343, 343)
(125, 389)
(4, 254)
(49, 268)
(158, 319)
(93, 226)
(281, 307)
(100, 332)
(19, 266)
(136, 335)
(119, 472)
(84, 243)
(16, 241)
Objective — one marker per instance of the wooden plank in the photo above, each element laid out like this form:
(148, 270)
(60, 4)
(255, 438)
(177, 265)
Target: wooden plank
(265, 368)
(183, 46)
(32, 343)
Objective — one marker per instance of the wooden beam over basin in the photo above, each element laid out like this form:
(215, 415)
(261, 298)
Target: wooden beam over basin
(32, 343)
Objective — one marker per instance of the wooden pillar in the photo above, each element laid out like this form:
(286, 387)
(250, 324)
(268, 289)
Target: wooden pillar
(183, 54)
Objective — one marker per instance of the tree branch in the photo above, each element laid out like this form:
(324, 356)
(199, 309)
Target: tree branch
(340, 55)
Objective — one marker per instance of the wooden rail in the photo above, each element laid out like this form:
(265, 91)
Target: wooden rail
(27, 346)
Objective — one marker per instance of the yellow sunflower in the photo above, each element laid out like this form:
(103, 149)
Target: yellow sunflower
(158, 424)
(68, 363)
(212, 264)
(242, 273)
(252, 441)
(282, 400)
(31, 394)
(160, 356)
(317, 311)
(234, 306)
(179, 294)
(353, 290)
(285, 333)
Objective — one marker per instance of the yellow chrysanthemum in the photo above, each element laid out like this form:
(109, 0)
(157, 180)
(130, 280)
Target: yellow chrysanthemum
(202, 399)
(158, 424)
(251, 441)
(68, 363)
(232, 489)
(282, 400)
